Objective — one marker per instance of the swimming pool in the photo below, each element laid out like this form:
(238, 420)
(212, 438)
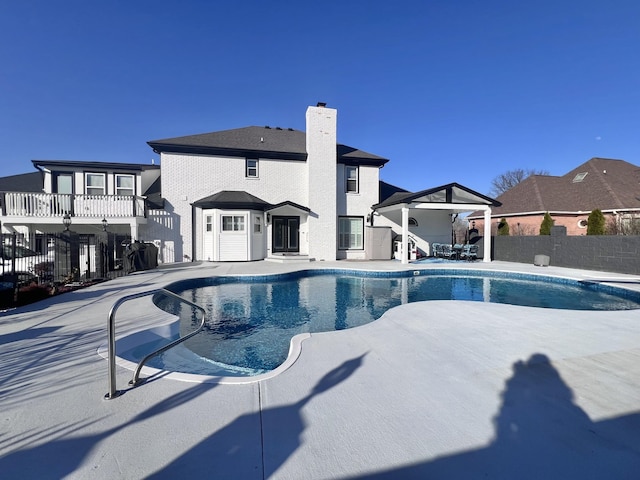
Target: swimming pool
(251, 320)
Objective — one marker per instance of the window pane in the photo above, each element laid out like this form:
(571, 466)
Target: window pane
(227, 223)
(352, 179)
(238, 224)
(64, 183)
(252, 168)
(350, 232)
(95, 184)
(124, 185)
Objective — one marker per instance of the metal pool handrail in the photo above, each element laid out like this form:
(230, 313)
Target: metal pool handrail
(111, 331)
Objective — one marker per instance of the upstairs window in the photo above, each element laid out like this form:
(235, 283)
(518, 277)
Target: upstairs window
(95, 184)
(251, 168)
(352, 179)
(63, 183)
(125, 185)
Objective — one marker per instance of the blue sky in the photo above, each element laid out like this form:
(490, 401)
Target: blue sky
(448, 90)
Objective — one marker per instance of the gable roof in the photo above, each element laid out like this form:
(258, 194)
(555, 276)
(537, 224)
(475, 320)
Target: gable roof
(25, 182)
(602, 183)
(262, 142)
(385, 190)
(452, 193)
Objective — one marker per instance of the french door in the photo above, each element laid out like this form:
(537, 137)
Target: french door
(286, 235)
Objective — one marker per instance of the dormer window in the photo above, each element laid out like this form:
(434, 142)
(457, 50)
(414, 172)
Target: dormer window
(579, 177)
(251, 168)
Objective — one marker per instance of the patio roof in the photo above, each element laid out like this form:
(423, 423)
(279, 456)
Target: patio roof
(453, 196)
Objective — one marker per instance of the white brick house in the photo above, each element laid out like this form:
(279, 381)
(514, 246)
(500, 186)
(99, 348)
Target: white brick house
(245, 194)
(261, 192)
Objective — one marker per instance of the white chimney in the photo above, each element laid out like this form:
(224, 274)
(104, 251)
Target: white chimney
(322, 170)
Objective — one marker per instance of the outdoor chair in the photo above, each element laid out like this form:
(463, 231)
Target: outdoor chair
(447, 251)
(469, 252)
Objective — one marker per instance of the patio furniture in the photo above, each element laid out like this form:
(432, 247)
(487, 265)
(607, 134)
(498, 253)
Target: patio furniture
(469, 252)
(447, 251)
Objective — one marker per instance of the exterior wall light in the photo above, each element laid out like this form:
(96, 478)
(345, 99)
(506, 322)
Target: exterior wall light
(66, 221)
(105, 224)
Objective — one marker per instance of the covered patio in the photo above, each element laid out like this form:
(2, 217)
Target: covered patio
(450, 199)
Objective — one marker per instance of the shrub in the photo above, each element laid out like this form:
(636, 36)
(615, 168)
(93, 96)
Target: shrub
(596, 223)
(32, 293)
(547, 223)
(503, 227)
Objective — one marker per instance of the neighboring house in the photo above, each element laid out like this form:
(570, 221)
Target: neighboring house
(245, 194)
(90, 194)
(613, 186)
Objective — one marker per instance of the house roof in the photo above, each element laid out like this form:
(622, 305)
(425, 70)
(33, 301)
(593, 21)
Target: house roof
(290, 204)
(154, 194)
(233, 200)
(385, 190)
(599, 183)
(262, 142)
(83, 164)
(25, 182)
(451, 193)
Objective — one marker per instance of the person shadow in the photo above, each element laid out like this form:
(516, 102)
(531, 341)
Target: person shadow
(540, 433)
(235, 452)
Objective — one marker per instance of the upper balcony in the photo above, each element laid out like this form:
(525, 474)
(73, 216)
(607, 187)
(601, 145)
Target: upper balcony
(48, 205)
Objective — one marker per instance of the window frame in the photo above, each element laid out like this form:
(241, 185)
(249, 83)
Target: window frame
(351, 219)
(257, 224)
(236, 225)
(348, 179)
(87, 187)
(117, 176)
(248, 169)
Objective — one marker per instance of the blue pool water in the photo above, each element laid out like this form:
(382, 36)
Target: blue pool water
(251, 320)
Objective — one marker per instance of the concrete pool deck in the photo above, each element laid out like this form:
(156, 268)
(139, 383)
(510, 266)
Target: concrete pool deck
(439, 389)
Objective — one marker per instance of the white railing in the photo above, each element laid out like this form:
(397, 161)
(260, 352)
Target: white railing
(57, 205)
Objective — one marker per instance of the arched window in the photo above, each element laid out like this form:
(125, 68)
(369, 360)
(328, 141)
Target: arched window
(413, 222)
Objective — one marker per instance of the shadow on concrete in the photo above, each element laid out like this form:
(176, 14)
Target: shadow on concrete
(26, 334)
(540, 434)
(235, 452)
(59, 458)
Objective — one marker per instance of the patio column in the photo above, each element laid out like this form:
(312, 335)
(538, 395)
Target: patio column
(405, 235)
(486, 256)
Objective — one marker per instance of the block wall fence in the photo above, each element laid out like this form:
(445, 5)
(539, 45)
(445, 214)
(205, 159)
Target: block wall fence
(608, 253)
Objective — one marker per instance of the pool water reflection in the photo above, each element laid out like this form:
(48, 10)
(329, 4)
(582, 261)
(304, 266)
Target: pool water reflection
(251, 321)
